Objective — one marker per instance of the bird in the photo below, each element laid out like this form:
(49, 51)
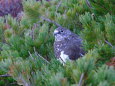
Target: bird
(67, 45)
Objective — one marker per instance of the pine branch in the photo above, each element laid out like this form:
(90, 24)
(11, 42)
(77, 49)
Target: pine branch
(100, 5)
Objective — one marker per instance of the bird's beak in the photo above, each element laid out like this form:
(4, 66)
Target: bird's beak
(55, 32)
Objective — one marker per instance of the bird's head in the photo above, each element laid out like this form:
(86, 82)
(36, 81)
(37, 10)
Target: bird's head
(61, 33)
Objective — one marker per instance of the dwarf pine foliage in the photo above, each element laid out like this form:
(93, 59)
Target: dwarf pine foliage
(26, 44)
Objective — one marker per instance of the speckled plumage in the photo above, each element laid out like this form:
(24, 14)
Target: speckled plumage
(69, 43)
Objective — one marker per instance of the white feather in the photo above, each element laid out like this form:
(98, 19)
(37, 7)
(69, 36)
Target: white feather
(63, 58)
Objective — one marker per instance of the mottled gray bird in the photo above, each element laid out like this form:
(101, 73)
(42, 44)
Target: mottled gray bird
(67, 45)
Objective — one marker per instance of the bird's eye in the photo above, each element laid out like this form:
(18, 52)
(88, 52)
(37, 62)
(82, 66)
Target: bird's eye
(61, 30)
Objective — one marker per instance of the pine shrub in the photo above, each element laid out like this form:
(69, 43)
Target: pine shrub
(26, 45)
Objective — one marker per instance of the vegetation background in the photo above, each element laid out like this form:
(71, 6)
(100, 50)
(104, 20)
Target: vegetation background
(26, 42)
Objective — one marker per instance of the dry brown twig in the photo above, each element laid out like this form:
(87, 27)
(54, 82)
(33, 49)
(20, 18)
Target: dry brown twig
(108, 43)
(88, 4)
(81, 79)
(58, 5)
(5, 75)
(38, 55)
(51, 21)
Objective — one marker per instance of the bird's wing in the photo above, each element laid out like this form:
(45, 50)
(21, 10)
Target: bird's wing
(73, 52)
